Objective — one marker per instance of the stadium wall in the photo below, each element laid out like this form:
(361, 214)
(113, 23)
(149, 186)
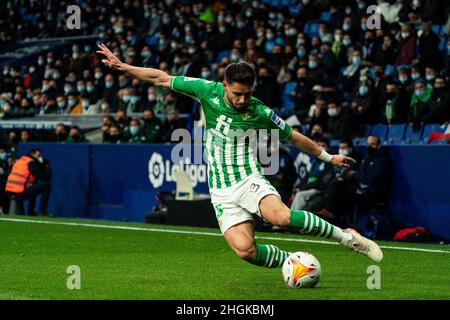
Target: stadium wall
(113, 182)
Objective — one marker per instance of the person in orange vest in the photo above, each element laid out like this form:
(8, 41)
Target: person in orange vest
(30, 177)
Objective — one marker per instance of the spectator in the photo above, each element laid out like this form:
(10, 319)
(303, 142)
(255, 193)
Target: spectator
(172, 123)
(114, 134)
(30, 177)
(151, 127)
(76, 136)
(4, 172)
(342, 123)
(407, 50)
(439, 103)
(134, 133)
(302, 93)
(317, 182)
(396, 104)
(429, 46)
(266, 88)
(361, 189)
(60, 133)
(420, 103)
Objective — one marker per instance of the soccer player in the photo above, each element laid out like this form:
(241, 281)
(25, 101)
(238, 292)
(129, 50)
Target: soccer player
(238, 189)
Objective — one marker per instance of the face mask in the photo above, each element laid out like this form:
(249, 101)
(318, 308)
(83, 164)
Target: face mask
(40, 159)
(145, 54)
(61, 104)
(205, 74)
(81, 88)
(134, 99)
(90, 89)
(312, 64)
(126, 99)
(363, 27)
(44, 87)
(98, 75)
(32, 69)
(240, 24)
(114, 138)
(371, 151)
(151, 97)
(356, 60)
(344, 151)
(67, 90)
(403, 79)
(337, 37)
(108, 84)
(71, 103)
(134, 130)
(391, 95)
(415, 76)
(363, 90)
(269, 36)
(104, 106)
(301, 53)
(345, 27)
(56, 76)
(222, 29)
(418, 92)
(41, 62)
(405, 35)
(346, 42)
(430, 77)
(3, 156)
(333, 112)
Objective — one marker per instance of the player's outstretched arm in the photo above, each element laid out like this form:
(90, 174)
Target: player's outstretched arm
(305, 144)
(154, 76)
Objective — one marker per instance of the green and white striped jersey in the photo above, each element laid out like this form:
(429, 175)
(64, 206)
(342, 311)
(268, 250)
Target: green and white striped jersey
(230, 135)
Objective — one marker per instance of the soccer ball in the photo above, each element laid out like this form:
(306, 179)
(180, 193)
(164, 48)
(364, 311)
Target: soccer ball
(301, 270)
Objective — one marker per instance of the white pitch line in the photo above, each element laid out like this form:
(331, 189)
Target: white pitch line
(89, 225)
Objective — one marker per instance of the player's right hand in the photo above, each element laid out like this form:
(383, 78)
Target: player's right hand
(110, 59)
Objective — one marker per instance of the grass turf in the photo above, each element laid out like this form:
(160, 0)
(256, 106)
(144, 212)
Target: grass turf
(135, 264)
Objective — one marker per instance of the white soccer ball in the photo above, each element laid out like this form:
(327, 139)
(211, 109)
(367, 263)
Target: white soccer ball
(301, 270)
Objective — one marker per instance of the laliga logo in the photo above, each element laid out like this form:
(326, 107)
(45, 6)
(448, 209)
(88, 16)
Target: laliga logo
(160, 171)
(156, 170)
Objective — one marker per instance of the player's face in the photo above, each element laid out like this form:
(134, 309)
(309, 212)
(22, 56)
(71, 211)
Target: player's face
(237, 94)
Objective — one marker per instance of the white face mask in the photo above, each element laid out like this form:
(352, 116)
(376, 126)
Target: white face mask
(40, 159)
(333, 112)
(344, 152)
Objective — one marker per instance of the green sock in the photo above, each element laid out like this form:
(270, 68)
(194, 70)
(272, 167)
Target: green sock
(311, 224)
(269, 256)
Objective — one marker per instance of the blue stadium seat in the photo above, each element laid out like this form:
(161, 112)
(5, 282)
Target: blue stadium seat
(223, 54)
(325, 16)
(334, 142)
(305, 129)
(286, 96)
(380, 130)
(440, 142)
(436, 28)
(411, 136)
(390, 69)
(429, 128)
(443, 43)
(152, 41)
(311, 29)
(396, 133)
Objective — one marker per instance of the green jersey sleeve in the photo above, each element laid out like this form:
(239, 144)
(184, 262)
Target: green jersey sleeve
(194, 87)
(271, 120)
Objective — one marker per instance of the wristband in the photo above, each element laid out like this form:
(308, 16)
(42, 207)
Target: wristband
(325, 156)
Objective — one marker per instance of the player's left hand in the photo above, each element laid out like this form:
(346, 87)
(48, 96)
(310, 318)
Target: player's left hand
(342, 161)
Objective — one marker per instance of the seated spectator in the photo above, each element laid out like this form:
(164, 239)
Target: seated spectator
(396, 104)
(429, 46)
(350, 75)
(342, 123)
(60, 133)
(134, 133)
(439, 103)
(317, 113)
(420, 103)
(266, 88)
(114, 135)
(25, 136)
(301, 95)
(407, 50)
(404, 80)
(363, 104)
(317, 182)
(122, 118)
(76, 136)
(29, 178)
(172, 123)
(151, 126)
(361, 189)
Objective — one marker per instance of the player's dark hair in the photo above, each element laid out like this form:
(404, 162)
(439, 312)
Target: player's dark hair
(347, 141)
(240, 72)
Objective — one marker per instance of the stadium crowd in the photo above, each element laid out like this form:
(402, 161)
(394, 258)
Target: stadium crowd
(318, 63)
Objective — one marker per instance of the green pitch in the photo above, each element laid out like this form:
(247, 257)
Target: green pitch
(136, 261)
